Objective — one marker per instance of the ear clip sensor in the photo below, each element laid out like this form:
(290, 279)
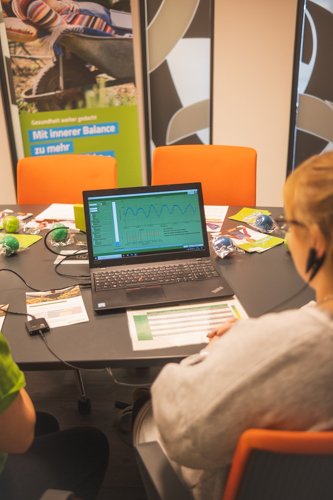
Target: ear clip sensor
(314, 262)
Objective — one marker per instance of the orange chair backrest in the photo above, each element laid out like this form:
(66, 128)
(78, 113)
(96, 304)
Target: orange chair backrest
(293, 442)
(227, 173)
(62, 178)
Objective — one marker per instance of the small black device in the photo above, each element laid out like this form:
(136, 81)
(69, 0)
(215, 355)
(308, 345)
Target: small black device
(314, 263)
(37, 326)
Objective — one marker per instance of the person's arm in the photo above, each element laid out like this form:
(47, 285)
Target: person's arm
(222, 329)
(200, 409)
(17, 414)
(187, 418)
(38, 13)
(17, 424)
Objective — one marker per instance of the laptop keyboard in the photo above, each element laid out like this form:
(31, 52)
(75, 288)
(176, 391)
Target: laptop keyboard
(157, 275)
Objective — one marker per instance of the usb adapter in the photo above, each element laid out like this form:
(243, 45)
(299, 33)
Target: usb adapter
(37, 326)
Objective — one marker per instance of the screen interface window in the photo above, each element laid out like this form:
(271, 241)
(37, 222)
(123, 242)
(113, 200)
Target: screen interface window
(130, 225)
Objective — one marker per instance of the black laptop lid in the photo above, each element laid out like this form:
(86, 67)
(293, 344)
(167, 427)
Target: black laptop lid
(145, 224)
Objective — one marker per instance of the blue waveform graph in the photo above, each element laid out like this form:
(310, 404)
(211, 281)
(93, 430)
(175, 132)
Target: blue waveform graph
(152, 208)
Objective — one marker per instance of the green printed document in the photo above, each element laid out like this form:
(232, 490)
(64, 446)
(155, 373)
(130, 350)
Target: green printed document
(179, 325)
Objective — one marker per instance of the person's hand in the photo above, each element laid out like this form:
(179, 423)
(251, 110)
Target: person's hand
(221, 330)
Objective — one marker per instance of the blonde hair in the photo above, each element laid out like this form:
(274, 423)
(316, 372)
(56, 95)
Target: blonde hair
(308, 195)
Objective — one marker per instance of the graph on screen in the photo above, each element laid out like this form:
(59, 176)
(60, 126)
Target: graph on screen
(171, 220)
(147, 223)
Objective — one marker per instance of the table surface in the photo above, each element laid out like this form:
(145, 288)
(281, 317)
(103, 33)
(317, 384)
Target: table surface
(260, 281)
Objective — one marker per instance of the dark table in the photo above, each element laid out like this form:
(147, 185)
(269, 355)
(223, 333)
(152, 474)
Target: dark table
(260, 281)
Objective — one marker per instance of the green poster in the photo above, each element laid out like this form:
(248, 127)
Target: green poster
(73, 75)
(101, 131)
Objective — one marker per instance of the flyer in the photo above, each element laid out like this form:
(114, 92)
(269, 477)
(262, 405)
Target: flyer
(58, 307)
(3, 309)
(250, 240)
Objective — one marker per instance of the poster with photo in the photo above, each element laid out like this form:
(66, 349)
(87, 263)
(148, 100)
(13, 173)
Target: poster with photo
(73, 75)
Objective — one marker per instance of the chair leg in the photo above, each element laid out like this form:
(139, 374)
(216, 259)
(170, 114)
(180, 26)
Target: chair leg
(84, 402)
(159, 478)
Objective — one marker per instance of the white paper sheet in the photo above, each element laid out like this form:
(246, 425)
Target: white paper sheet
(82, 257)
(179, 325)
(215, 215)
(56, 212)
(58, 307)
(19, 215)
(3, 314)
(43, 224)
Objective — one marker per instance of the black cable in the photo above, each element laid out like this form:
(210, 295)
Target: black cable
(62, 288)
(289, 298)
(67, 257)
(17, 313)
(42, 336)
(60, 274)
(26, 284)
(85, 276)
(45, 342)
(315, 266)
(54, 229)
(36, 290)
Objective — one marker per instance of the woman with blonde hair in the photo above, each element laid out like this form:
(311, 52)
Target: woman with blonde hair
(273, 372)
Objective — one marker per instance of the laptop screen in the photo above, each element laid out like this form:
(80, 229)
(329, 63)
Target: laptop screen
(139, 223)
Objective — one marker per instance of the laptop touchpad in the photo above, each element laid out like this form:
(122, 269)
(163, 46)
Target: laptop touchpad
(144, 295)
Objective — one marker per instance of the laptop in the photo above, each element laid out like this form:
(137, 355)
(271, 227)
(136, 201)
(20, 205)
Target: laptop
(148, 246)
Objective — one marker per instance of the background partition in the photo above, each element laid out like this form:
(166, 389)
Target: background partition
(253, 68)
(313, 133)
(177, 41)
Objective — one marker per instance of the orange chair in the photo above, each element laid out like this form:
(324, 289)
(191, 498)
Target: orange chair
(43, 180)
(267, 465)
(227, 173)
(282, 464)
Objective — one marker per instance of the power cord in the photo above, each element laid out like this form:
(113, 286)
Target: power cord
(42, 336)
(36, 289)
(22, 279)
(38, 326)
(55, 229)
(17, 313)
(67, 257)
(304, 287)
